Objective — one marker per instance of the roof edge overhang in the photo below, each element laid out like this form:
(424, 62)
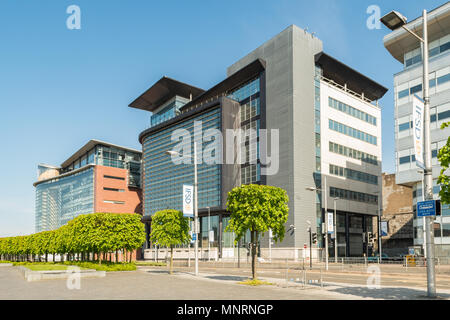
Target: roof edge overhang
(184, 116)
(88, 146)
(162, 91)
(244, 74)
(400, 41)
(344, 75)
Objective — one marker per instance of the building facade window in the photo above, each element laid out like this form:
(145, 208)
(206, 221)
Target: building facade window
(353, 174)
(361, 115)
(352, 153)
(164, 179)
(60, 200)
(352, 132)
(353, 195)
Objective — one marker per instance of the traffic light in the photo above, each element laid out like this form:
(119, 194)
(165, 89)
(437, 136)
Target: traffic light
(314, 237)
(370, 237)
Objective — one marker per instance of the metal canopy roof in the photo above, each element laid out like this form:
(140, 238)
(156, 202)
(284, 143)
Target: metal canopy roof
(239, 77)
(399, 42)
(344, 75)
(88, 146)
(163, 90)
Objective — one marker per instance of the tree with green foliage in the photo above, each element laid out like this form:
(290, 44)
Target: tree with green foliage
(170, 228)
(444, 160)
(86, 234)
(257, 208)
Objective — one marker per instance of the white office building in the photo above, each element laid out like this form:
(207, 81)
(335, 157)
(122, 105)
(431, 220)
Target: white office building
(405, 48)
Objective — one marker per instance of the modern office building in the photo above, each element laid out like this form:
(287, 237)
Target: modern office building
(99, 177)
(405, 48)
(323, 122)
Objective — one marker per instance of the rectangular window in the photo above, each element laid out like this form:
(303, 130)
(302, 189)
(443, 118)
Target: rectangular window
(114, 201)
(415, 89)
(443, 79)
(333, 103)
(114, 189)
(405, 159)
(113, 177)
(353, 174)
(444, 115)
(342, 128)
(403, 126)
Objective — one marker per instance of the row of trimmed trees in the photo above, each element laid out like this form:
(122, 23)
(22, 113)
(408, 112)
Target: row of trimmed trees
(86, 237)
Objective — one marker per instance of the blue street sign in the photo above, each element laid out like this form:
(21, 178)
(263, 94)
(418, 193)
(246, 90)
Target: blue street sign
(426, 208)
(194, 237)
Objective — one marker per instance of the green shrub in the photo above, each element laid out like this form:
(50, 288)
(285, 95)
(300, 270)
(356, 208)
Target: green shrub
(106, 266)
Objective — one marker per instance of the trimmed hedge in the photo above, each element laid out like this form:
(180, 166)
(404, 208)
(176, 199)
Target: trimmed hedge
(96, 233)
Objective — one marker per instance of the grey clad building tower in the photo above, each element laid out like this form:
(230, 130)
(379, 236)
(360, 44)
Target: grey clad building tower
(322, 120)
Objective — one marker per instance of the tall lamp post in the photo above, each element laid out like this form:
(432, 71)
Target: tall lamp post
(379, 204)
(326, 216)
(209, 232)
(394, 20)
(310, 244)
(196, 228)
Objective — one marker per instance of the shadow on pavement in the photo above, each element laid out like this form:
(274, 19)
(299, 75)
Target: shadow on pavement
(229, 278)
(388, 293)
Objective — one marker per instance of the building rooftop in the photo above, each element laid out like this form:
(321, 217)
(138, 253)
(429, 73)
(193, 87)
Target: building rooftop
(163, 90)
(345, 76)
(236, 79)
(399, 41)
(88, 146)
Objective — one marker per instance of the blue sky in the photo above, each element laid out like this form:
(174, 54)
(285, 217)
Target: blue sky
(60, 87)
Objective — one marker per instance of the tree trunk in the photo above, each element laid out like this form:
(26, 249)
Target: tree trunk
(99, 255)
(171, 259)
(117, 256)
(254, 241)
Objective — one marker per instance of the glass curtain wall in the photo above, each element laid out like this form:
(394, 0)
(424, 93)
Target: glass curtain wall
(62, 199)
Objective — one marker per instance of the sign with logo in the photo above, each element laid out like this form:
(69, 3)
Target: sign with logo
(426, 208)
(384, 228)
(330, 222)
(418, 110)
(211, 235)
(188, 200)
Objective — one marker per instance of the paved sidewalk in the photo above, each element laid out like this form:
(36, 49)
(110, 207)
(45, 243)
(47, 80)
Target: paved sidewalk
(156, 284)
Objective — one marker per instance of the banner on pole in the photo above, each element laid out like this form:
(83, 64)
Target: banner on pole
(330, 222)
(188, 200)
(384, 228)
(418, 116)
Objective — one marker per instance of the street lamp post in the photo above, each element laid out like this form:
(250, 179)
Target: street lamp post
(209, 231)
(196, 228)
(379, 204)
(394, 20)
(326, 217)
(310, 244)
(423, 218)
